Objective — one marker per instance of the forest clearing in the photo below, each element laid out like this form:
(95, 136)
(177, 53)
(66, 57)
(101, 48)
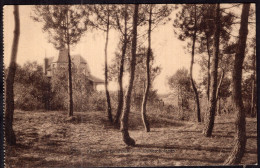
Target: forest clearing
(49, 138)
(130, 85)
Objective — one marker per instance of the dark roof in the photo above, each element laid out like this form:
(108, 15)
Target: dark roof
(63, 57)
(95, 79)
(78, 58)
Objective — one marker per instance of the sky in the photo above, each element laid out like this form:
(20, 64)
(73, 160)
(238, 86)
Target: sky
(33, 46)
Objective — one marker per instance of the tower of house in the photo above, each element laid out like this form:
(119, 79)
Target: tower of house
(53, 64)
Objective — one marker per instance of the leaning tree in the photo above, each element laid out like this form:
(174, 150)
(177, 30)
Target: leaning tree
(187, 21)
(240, 137)
(157, 14)
(124, 118)
(103, 19)
(209, 124)
(9, 100)
(65, 25)
(122, 16)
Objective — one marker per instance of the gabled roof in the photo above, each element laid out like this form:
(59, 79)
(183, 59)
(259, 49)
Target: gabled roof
(78, 58)
(95, 79)
(63, 58)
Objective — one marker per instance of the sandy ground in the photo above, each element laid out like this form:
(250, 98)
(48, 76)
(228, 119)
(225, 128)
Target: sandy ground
(50, 139)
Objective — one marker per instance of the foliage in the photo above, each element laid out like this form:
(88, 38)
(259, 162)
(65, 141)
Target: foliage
(97, 101)
(180, 84)
(140, 73)
(81, 86)
(180, 80)
(31, 88)
(247, 92)
(205, 17)
(140, 76)
(65, 24)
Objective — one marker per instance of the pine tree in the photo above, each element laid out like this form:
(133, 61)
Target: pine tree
(124, 118)
(240, 137)
(9, 100)
(65, 25)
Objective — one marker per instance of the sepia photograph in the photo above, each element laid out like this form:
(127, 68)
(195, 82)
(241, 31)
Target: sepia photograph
(123, 85)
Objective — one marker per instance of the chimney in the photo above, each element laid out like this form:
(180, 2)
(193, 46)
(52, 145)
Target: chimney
(45, 65)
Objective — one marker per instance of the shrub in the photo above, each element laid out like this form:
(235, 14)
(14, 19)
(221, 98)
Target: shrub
(97, 101)
(31, 87)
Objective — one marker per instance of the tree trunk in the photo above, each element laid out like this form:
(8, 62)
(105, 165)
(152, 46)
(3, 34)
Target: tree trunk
(218, 106)
(208, 88)
(109, 110)
(240, 137)
(70, 85)
(70, 108)
(252, 99)
(9, 101)
(148, 83)
(182, 111)
(120, 83)
(252, 109)
(209, 124)
(220, 83)
(191, 68)
(217, 92)
(121, 73)
(178, 97)
(124, 118)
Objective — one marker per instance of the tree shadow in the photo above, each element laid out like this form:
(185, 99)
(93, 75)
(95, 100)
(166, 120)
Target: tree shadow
(197, 147)
(214, 161)
(253, 137)
(162, 123)
(22, 146)
(190, 131)
(222, 136)
(51, 163)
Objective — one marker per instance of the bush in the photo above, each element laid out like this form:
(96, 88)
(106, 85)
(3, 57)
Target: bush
(81, 88)
(31, 87)
(97, 101)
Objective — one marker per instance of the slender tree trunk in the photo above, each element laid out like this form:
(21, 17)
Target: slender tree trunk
(208, 88)
(214, 74)
(182, 111)
(124, 118)
(240, 137)
(252, 99)
(148, 83)
(178, 103)
(191, 68)
(9, 101)
(70, 85)
(109, 110)
(218, 90)
(121, 73)
(218, 106)
(120, 83)
(70, 108)
(220, 83)
(252, 109)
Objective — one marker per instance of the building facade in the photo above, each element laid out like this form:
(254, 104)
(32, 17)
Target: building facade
(53, 64)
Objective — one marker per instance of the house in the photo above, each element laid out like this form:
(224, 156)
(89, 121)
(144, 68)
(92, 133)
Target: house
(52, 64)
